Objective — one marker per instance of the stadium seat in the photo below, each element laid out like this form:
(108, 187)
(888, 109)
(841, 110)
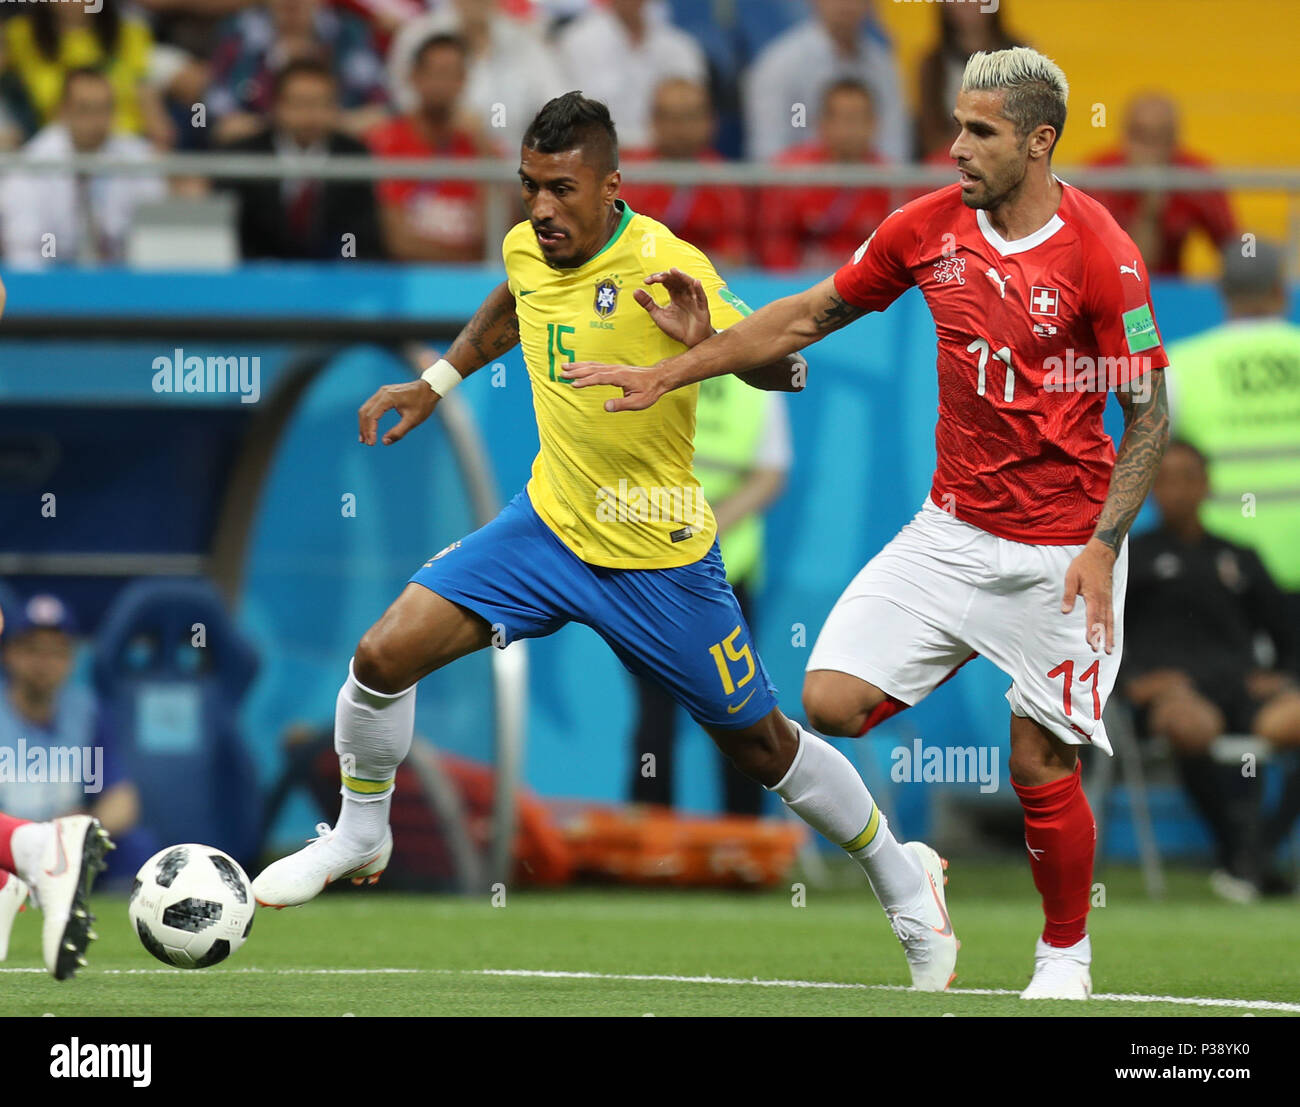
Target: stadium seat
(170, 662)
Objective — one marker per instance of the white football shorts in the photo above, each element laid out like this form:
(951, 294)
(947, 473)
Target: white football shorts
(943, 590)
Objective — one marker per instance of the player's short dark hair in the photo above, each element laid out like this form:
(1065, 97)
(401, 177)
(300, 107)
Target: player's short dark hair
(434, 42)
(82, 73)
(1195, 451)
(300, 67)
(847, 84)
(572, 121)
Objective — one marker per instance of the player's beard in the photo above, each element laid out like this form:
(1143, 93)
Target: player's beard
(995, 192)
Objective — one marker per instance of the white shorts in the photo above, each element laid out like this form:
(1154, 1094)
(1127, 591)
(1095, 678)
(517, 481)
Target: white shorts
(943, 590)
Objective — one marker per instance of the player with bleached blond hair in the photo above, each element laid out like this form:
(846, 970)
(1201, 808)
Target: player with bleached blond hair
(1041, 306)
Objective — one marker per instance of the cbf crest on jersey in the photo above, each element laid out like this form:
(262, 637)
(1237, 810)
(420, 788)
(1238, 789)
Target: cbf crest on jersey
(606, 297)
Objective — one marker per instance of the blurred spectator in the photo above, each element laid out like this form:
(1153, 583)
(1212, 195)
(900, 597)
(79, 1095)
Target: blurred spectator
(185, 35)
(512, 71)
(64, 217)
(1159, 222)
(814, 226)
(47, 721)
(714, 218)
(305, 217)
(964, 29)
(742, 455)
(1195, 606)
(259, 41)
(431, 220)
(48, 41)
(1236, 397)
(619, 53)
(787, 82)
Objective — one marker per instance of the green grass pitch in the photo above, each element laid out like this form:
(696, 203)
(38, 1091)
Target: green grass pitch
(446, 951)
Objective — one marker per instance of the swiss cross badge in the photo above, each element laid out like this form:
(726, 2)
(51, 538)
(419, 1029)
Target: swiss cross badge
(1043, 301)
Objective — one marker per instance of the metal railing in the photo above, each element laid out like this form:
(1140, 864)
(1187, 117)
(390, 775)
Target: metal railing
(499, 175)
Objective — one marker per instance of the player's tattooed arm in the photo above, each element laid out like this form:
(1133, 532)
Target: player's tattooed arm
(834, 313)
(1146, 434)
(491, 332)
(1090, 574)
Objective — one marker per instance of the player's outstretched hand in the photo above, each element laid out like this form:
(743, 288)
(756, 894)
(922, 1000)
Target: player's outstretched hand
(641, 385)
(1090, 575)
(686, 316)
(414, 401)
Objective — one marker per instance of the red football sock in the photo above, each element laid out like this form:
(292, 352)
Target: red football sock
(1061, 837)
(8, 824)
(4, 879)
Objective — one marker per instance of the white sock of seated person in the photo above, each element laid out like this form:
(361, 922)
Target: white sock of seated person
(824, 789)
(372, 736)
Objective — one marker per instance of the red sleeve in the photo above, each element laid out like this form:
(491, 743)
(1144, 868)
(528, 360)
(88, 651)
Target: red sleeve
(1119, 307)
(879, 272)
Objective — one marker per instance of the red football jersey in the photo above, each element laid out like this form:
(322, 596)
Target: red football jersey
(1032, 334)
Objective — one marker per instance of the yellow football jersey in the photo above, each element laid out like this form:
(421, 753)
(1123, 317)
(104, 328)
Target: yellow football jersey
(617, 488)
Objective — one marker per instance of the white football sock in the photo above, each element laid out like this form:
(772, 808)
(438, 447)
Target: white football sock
(372, 736)
(824, 789)
(28, 847)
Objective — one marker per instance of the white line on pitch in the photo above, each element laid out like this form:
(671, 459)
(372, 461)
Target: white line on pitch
(560, 974)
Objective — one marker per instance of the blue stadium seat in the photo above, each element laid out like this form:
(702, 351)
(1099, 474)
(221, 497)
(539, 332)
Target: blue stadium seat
(172, 665)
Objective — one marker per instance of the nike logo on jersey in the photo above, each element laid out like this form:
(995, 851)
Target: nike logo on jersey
(1131, 269)
(522, 293)
(732, 710)
(998, 280)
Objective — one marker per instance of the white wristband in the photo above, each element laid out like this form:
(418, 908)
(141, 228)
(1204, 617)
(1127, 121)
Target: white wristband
(441, 376)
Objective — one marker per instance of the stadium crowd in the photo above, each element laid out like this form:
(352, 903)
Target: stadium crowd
(792, 83)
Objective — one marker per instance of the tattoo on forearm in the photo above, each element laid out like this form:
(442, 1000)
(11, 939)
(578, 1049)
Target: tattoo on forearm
(492, 331)
(1146, 434)
(836, 314)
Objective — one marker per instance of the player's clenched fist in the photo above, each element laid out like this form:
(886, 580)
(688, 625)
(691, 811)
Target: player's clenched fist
(641, 385)
(414, 401)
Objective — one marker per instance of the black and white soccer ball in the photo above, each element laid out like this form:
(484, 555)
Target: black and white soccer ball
(192, 906)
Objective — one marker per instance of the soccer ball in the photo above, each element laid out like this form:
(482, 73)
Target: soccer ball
(192, 906)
